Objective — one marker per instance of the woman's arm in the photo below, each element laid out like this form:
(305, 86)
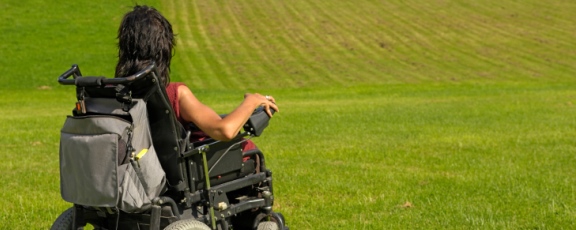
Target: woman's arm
(224, 129)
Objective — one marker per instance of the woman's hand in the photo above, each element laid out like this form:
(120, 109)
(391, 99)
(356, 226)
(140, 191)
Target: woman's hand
(268, 102)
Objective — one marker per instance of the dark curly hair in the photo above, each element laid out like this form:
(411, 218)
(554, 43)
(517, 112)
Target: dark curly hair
(145, 36)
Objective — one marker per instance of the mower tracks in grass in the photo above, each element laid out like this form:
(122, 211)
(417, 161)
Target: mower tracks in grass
(295, 40)
(248, 41)
(270, 44)
(215, 74)
(346, 33)
(266, 33)
(193, 63)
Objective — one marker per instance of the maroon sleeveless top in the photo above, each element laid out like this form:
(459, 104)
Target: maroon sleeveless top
(172, 91)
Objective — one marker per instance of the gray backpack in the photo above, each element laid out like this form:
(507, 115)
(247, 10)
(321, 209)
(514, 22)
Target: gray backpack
(107, 158)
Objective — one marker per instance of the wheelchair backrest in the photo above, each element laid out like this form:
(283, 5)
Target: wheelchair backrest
(168, 135)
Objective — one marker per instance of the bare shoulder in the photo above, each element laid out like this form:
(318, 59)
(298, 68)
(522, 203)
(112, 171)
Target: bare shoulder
(184, 90)
(184, 93)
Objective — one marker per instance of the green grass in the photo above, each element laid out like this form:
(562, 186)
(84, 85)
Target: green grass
(465, 156)
(394, 115)
(327, 43)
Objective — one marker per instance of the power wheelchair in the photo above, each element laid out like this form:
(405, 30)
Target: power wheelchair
(209, 184)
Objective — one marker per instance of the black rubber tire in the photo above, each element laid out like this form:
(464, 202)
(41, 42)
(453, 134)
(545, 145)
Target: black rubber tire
(268, 225)
(64, 221)
(187, 224)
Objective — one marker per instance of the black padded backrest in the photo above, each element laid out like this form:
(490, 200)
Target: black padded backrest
(167, 133)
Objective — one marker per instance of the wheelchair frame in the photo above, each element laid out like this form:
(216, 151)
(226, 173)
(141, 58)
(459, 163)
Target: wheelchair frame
(209, 174)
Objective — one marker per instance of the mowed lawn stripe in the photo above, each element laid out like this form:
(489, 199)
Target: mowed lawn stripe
(464, 36)
(194, 50)
(390, 42)
(507, 41)
(459, 36)
(294, 24)
(264, 30)
(311, 45)
(549, 37)
(348, 33)
(296, 38)
(254, 47)
(202, 14)
(217, 26)
(390, 36)
(497, 27)
(442, 44)
(380, 32)
(187, 56)
(411, 43)
(247, 62)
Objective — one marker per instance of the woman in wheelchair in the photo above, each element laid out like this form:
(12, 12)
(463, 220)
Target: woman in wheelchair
(163, 179)
(146, 36)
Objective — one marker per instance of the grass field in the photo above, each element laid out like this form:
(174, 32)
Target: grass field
(394, 114)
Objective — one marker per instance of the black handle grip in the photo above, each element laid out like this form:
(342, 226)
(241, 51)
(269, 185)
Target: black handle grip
(258, 121)
(90, 81)
(73, 71)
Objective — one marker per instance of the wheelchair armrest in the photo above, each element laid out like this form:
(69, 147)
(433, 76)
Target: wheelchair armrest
(206, 144)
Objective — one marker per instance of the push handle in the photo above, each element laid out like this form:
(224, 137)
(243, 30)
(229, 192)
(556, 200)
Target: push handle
(92, 81)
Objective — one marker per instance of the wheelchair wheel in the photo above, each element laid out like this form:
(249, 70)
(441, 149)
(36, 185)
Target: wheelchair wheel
(271, 221)
(268, 225)
(64, 221)
(187, 224)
